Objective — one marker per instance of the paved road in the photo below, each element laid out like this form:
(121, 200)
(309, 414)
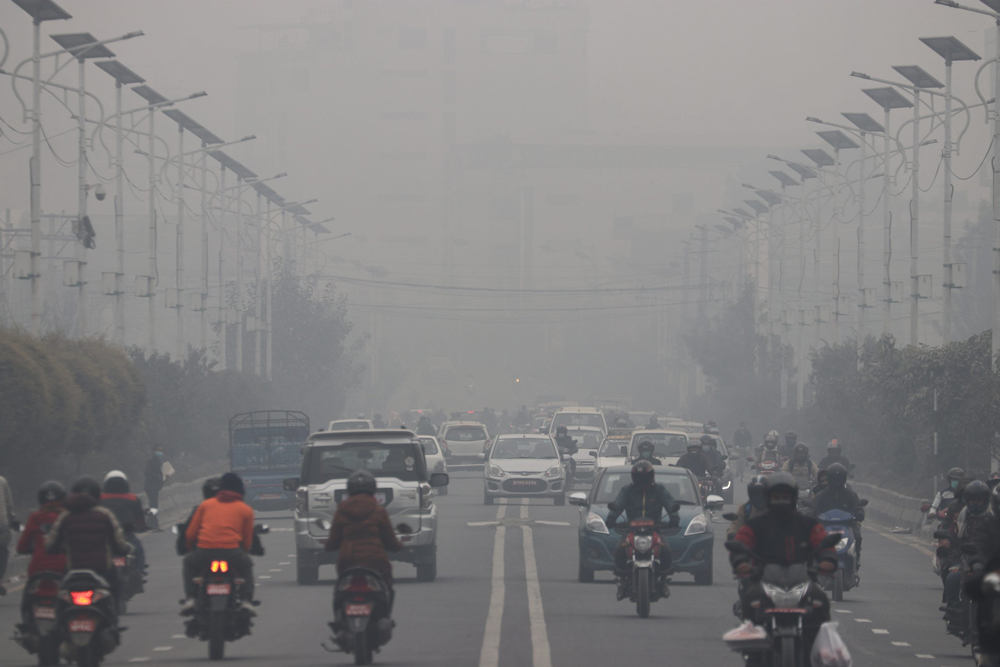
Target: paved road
(507, 596)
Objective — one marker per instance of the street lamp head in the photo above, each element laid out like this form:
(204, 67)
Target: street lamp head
(860, 75)
(813, 119)
(100, 193)
(947, 3)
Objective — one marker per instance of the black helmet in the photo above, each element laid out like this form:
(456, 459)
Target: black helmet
(956, 473)
(210, 487)
(755, 490)
(230, 481)
(781, 493)
(86, 486)
(833, 446)
(51, 492)
(646, 446)
(361, 481)
(977, 497)
(791, 436)
(643, 474)
(836, 476)
(995, 501)
(561, 430)
(801, 448)
(993, 480)
(707, 440)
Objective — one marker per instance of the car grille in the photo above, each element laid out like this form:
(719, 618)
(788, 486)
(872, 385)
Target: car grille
(524, 485)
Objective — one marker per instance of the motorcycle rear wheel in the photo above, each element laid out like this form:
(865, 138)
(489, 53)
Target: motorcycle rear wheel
(642, 593)
(788, 657)
(87, 656)
(838, 586)
(362, 649)
(216, 635)
(48, 652)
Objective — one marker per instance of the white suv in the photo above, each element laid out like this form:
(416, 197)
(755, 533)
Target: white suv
(573, 417)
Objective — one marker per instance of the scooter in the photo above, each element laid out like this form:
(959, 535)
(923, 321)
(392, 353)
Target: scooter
(841, 524)
(37, 632)
(87, 617)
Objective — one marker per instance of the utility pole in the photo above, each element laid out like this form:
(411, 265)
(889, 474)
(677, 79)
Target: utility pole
(203, 324)
(223, 310)
(995, 349)
(239, 273)
(119, 220)
(179, 251)
(800, 362)
(81, 250)
(915, 215)
(152, 278)
(270, 289)
(703, 276)
(257, 297)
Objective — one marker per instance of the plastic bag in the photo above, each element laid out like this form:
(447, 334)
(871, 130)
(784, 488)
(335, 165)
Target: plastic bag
(829, 650)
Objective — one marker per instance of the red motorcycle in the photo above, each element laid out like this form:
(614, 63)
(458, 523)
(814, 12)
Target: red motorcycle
(646, 580)
(768, 467)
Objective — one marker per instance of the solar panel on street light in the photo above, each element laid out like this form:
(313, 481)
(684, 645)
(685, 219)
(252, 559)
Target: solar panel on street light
(770, 197)
(743, 212)
(74, 41)
(735, 222)
(819, 156)
(837, 139)
(784, 178)
(148, 94)
(918, 76)
(120, 73)
(805, 173)
(950, 48)
(192, 126)
(864, 122)
(43, 10)
(756, 205)
(232, 165)
(888, 97)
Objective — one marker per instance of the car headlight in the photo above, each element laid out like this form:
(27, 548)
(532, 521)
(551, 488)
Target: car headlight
(595, 524)
(728, 484)
(698, 525)
(495, 471)
(554, 471)
(643, 543)
(991, 583)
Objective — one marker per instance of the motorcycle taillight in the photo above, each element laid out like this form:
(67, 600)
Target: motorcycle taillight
(359, 584)
(82, 598)
(45, 588)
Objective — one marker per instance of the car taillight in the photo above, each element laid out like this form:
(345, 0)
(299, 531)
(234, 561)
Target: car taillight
(220, 566)
(302, 501)
(82, 598)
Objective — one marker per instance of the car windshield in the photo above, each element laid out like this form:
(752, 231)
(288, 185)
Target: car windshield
(679, 486)
(571, 419)
(349, 426)
(465, 433)
(429, 445)
(664, 444)
(613, 447)
(401, 461)
(524, 448)
(587, 439)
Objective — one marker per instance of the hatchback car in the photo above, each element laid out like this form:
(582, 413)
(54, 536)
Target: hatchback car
(464, 440)
(523, 466)
(691, 544)
(613, 452)
(434, 455)
(588, 439)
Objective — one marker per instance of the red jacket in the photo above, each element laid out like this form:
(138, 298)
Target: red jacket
(32, 540)
(362, 533)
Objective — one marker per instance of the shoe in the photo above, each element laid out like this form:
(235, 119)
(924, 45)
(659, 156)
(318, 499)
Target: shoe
(666, 591)
(187, 607)
(248, 607)
(622, 591)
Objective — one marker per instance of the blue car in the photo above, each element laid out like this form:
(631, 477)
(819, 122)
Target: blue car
(691, 546)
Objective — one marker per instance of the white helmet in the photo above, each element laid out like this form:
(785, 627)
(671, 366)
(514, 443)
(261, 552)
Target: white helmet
(115, 473)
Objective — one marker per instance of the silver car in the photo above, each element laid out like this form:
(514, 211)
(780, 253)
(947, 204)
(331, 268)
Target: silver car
(434, 455)
(523, 466)
(396, 459)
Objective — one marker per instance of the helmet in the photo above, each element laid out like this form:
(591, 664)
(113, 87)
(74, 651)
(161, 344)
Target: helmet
(643, 474)
(51, 492)
(755, 490)
(116, 482)
(993, 480)
(977, 497)
(361, 481)
(621, 423)
(561, 430)
(995, 501)
(791, 435)
(115, 473)
(210, 487)
(833, 445)
(772, 436)
(801, 451)
(707, 440)
(646, 446)
(86, 486)
(956, 473)
(836, 476)
(693, 446)
(781, 493)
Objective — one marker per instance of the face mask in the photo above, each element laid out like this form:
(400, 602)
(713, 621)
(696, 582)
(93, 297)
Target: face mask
(954, 484)
(159, 454)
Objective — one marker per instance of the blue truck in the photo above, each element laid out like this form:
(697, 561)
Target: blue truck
(265, 448)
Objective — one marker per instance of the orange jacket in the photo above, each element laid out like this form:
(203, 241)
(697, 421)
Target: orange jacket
(222, 522)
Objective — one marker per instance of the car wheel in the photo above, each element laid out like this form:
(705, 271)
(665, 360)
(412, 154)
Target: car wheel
(487, 500)
(584, 575)
(704, 578)
(561, 500)
(427, 571)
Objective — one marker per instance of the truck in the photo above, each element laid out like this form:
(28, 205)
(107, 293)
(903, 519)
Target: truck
(265, 448)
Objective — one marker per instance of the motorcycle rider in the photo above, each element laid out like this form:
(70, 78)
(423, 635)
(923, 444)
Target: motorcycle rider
(800, 466)
(783, 536)
(653, 422)
(643, 498)
(973, 525)
(742, 440)
(834, 454)
(822, 483)
(947, 495)
(987, 541)
(791, 439)
(567, 448)
(711, 449)
(751, 509)
(221, 529)
(88, 533)
(838, 496)
(696, 461)
(646, 449)
(127, 508)
(32, 541)
(993, 480)
(425, 427)
(768, 450)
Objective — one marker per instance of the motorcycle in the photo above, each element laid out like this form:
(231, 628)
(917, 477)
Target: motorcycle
(86, 616)
(129, 580)
(219, 615)
(768, 467)
(37, 631)
(840, 523)
(786, 609)
(362, 610)
(646, 581)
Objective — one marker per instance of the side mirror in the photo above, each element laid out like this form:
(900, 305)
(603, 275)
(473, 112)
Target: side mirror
(262, 529)
(404, 529)
(592, 453)
(291, 484)
(863, 502)
(730, 516)
(324, 524)
(715, 502)
(942, 535)
(439, 479)
(579, 499)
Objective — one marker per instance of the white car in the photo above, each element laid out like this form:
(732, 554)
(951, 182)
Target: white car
(434, 455)
(351, 425)
(668, 445)
(575, 417)
(464, 440)
(523, 466)
(613, 452)
(588, 439)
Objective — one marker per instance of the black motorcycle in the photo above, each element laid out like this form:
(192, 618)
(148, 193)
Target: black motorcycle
(87, 617)
(219, 615)
(646, 581)
(129, 580)
(37, 631)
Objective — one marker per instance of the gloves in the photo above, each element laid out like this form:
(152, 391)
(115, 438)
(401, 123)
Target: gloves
(743, 569)
(827, 567)
(610, 522)
(675, 521)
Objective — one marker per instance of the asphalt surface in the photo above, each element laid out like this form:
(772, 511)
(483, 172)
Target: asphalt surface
(507, 596)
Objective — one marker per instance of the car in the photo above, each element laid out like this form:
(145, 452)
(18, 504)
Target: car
(434, 455)
(691, 545)
(538, 423)
(691, 428)
(668, 445)
(588, 439)
(396, 459)
(464, 440)
(523, 466)
(573, 417)
(613, 452)
(351, 425)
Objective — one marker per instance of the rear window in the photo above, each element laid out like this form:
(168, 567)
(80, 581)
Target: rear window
(664, 444)
(613, 447)
(570, 419)
(524, 448)
(587, 439)
(679, 486)
(465, 433)
(349, 426)
(429, 445)
(402, 461)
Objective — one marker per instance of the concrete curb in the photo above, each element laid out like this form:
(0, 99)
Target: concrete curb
(895, 510)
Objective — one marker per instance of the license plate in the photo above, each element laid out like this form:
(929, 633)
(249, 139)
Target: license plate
(82, 625)
(270, 496)
(785, 610)
(524, 482)
(45, 612)
(219, 589)
(358, 609)
(119, 562)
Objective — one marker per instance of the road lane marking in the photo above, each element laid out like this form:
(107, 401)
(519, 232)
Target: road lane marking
(163, 648)
(476, 524)
(285, 563)
(178, 636)
(541, 654)
(862, 620)
(489, 656)
(273, 569)
(925, 656)
(843, 611)
(900, 643)
(138, 659)
(553, 523)
(878, 631)
(264, 576)
(890, 536)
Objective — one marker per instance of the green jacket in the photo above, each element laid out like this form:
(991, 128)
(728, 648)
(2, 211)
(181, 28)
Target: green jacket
(637, 504)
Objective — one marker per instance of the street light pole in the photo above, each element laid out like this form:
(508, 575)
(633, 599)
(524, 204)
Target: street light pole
(203, 323)
(81, 250)
(257, 297)
(179, 250)
(119, 220)
(222, 263)
(239, 273)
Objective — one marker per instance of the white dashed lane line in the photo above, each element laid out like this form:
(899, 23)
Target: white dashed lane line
(900, 643)
(178, 636)
(138, 659)
(264, 576)
(925, 656)
(285, 563)
(862, 620)
(163, 648)
(879, 631)
(275, 569)
(843, 611)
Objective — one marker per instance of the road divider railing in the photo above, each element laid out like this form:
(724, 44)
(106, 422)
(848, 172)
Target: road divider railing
(894, 510)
